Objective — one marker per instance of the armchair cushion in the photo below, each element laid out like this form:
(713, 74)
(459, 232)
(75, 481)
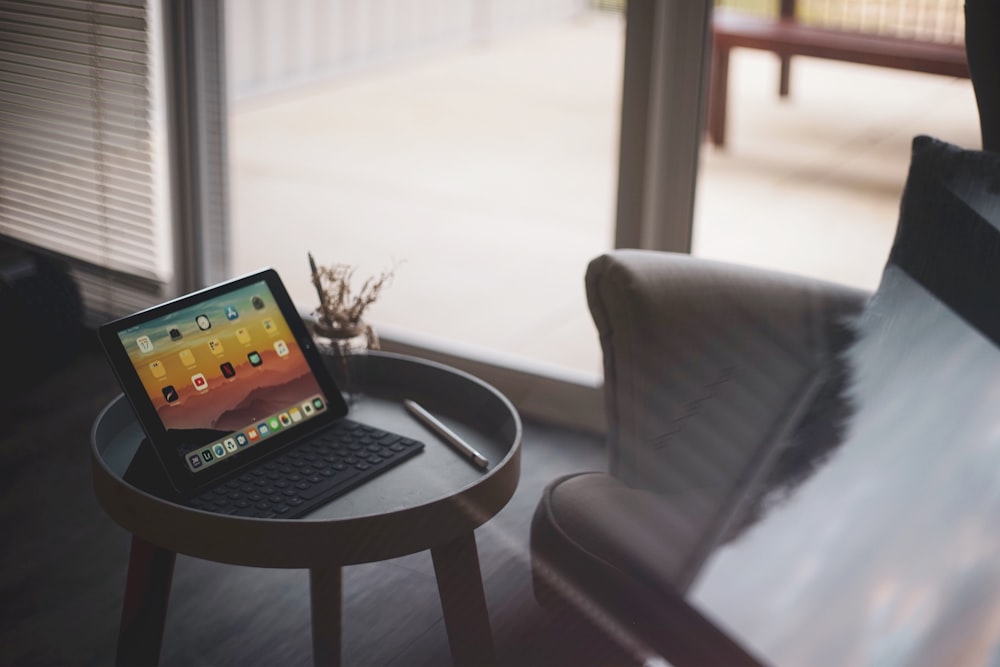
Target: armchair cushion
(608, 550)
(623, 532)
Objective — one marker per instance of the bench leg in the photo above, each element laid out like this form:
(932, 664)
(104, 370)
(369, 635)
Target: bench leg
(144, 611)
(326, 600)
(717, 92)
(460, 585)
(784, 75)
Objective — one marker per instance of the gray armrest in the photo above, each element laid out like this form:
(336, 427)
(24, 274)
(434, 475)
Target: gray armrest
(705, 365)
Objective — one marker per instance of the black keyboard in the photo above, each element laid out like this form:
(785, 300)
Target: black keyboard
(310, 474)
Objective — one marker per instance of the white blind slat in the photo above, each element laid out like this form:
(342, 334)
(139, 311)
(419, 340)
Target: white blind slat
(76, 174)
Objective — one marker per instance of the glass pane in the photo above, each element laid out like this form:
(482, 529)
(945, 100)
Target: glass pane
(811, 183)
(471, 147)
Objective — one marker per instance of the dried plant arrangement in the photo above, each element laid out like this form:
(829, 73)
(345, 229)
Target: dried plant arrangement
(341, 306)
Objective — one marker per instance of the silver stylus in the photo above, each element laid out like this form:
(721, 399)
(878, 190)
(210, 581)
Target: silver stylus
(464, 448)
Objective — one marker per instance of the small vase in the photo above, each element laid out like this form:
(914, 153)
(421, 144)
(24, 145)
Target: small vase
(342, 344)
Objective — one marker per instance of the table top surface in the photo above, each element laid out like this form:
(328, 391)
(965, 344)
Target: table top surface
(427, 500)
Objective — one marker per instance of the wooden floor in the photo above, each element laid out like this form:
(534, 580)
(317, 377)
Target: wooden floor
(62, 566)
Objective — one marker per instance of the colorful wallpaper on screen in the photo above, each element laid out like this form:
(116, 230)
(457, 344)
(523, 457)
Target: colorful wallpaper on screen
(221, 365)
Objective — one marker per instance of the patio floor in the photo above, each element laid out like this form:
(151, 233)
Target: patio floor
(487, 176)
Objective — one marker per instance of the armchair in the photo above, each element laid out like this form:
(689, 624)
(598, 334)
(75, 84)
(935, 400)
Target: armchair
(707, 366)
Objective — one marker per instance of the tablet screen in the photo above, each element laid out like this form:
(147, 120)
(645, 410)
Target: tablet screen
(222, 374)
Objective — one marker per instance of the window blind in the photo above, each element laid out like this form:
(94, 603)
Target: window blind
(76, 175)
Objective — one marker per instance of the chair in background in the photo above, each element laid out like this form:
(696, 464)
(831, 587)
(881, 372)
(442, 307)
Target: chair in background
(902, 34)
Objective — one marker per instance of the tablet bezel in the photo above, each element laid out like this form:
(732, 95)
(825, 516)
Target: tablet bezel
(186, 482)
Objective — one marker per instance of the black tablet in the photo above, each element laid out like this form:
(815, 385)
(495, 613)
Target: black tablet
(222, 377)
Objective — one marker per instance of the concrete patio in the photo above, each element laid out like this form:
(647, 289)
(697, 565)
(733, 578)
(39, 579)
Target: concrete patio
(487, 176)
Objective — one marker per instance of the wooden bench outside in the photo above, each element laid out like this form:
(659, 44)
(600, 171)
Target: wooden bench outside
(787, 36)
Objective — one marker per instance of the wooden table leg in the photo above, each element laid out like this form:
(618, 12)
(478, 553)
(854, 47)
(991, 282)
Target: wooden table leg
(466, 618)
(325, 594)
(147, 591)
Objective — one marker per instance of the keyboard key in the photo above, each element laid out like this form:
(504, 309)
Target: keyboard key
(321, 488)
(309, 474)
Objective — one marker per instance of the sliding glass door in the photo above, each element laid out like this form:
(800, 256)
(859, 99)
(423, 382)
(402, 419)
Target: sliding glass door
(471, 148)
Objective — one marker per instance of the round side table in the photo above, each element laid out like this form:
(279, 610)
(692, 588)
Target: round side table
(433, 501)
